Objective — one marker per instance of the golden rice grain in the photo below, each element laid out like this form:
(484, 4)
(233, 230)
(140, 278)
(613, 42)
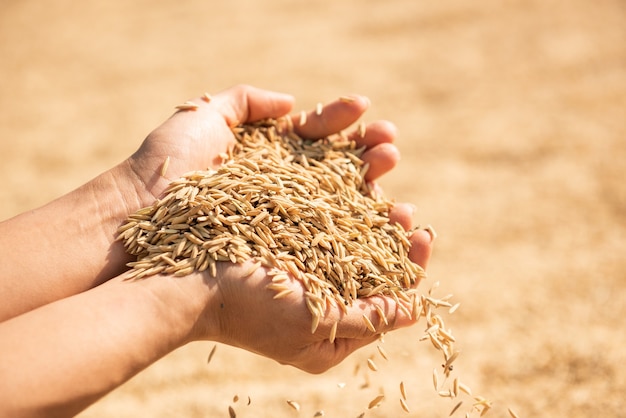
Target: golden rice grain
(187, 106)
(302, 120)
(368, 323)
(402, 391)
(404, 405)
(294, 206)
(456, 407)
(382, 352)
(372, 366)
(362, 129)
(211, 354)
(454, 308)
(318, 109)
(445, 393)
(512, 413)
(464, 388)
(295, 405)
(231, 412)
(435, 380)
(165, 165)
(333, 333)
(447, 367)
(207, 97)
(346, 99)
(431, 231)
(455, 387)
(381, 314)
(376, 401)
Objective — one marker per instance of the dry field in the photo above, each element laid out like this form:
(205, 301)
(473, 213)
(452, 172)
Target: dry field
(512, 121)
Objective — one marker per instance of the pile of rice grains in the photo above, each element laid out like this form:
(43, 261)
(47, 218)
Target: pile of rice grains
(300, 207)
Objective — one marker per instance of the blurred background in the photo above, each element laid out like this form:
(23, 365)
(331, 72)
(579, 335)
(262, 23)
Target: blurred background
(512, 128)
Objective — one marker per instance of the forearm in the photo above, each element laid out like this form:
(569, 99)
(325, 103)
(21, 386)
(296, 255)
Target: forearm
(58, 359)
(71, 240)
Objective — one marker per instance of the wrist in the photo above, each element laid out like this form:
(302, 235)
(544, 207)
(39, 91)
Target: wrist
(186, 306)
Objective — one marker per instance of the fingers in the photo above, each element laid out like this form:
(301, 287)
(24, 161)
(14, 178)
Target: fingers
(331, 118)
(402, 213)
(421, 240)
(421, 247)
(245, 103)
(378, 132)
(381, 159)
(381, 155)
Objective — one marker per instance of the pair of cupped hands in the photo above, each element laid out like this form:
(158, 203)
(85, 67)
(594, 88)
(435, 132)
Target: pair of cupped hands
(235, 308)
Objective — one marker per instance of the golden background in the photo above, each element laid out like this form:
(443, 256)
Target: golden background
(512, 128)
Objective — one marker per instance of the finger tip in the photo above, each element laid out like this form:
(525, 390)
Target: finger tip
(402, 213)
(421, 247)
(382, 158)
(386, 131)
(357, 101)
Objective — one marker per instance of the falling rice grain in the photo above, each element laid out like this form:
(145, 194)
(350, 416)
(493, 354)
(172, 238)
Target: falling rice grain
(231, 412)
(376, 401)
(456, 407)
(445, 393)
(207, 97)
(435, 380)
(431, 232)
(464, 388)
(295, 405)
(318, 109)
(372, 366)
(454, 308)
(404, 406)
(211, 354)
(512, 413)
(455, 387)
(402, 390)
(382, 352)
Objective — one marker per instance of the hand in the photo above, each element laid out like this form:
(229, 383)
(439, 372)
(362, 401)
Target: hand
(240, 311)
(243, 313)
(195, 139)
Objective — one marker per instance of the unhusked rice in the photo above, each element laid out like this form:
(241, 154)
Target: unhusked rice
(298, 206)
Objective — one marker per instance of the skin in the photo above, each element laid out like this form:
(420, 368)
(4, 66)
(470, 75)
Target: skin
(73, 329)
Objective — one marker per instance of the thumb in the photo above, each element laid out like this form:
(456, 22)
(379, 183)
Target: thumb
(243, 103)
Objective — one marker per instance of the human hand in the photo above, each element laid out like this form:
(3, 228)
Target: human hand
(243, 313)
(196, 139)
